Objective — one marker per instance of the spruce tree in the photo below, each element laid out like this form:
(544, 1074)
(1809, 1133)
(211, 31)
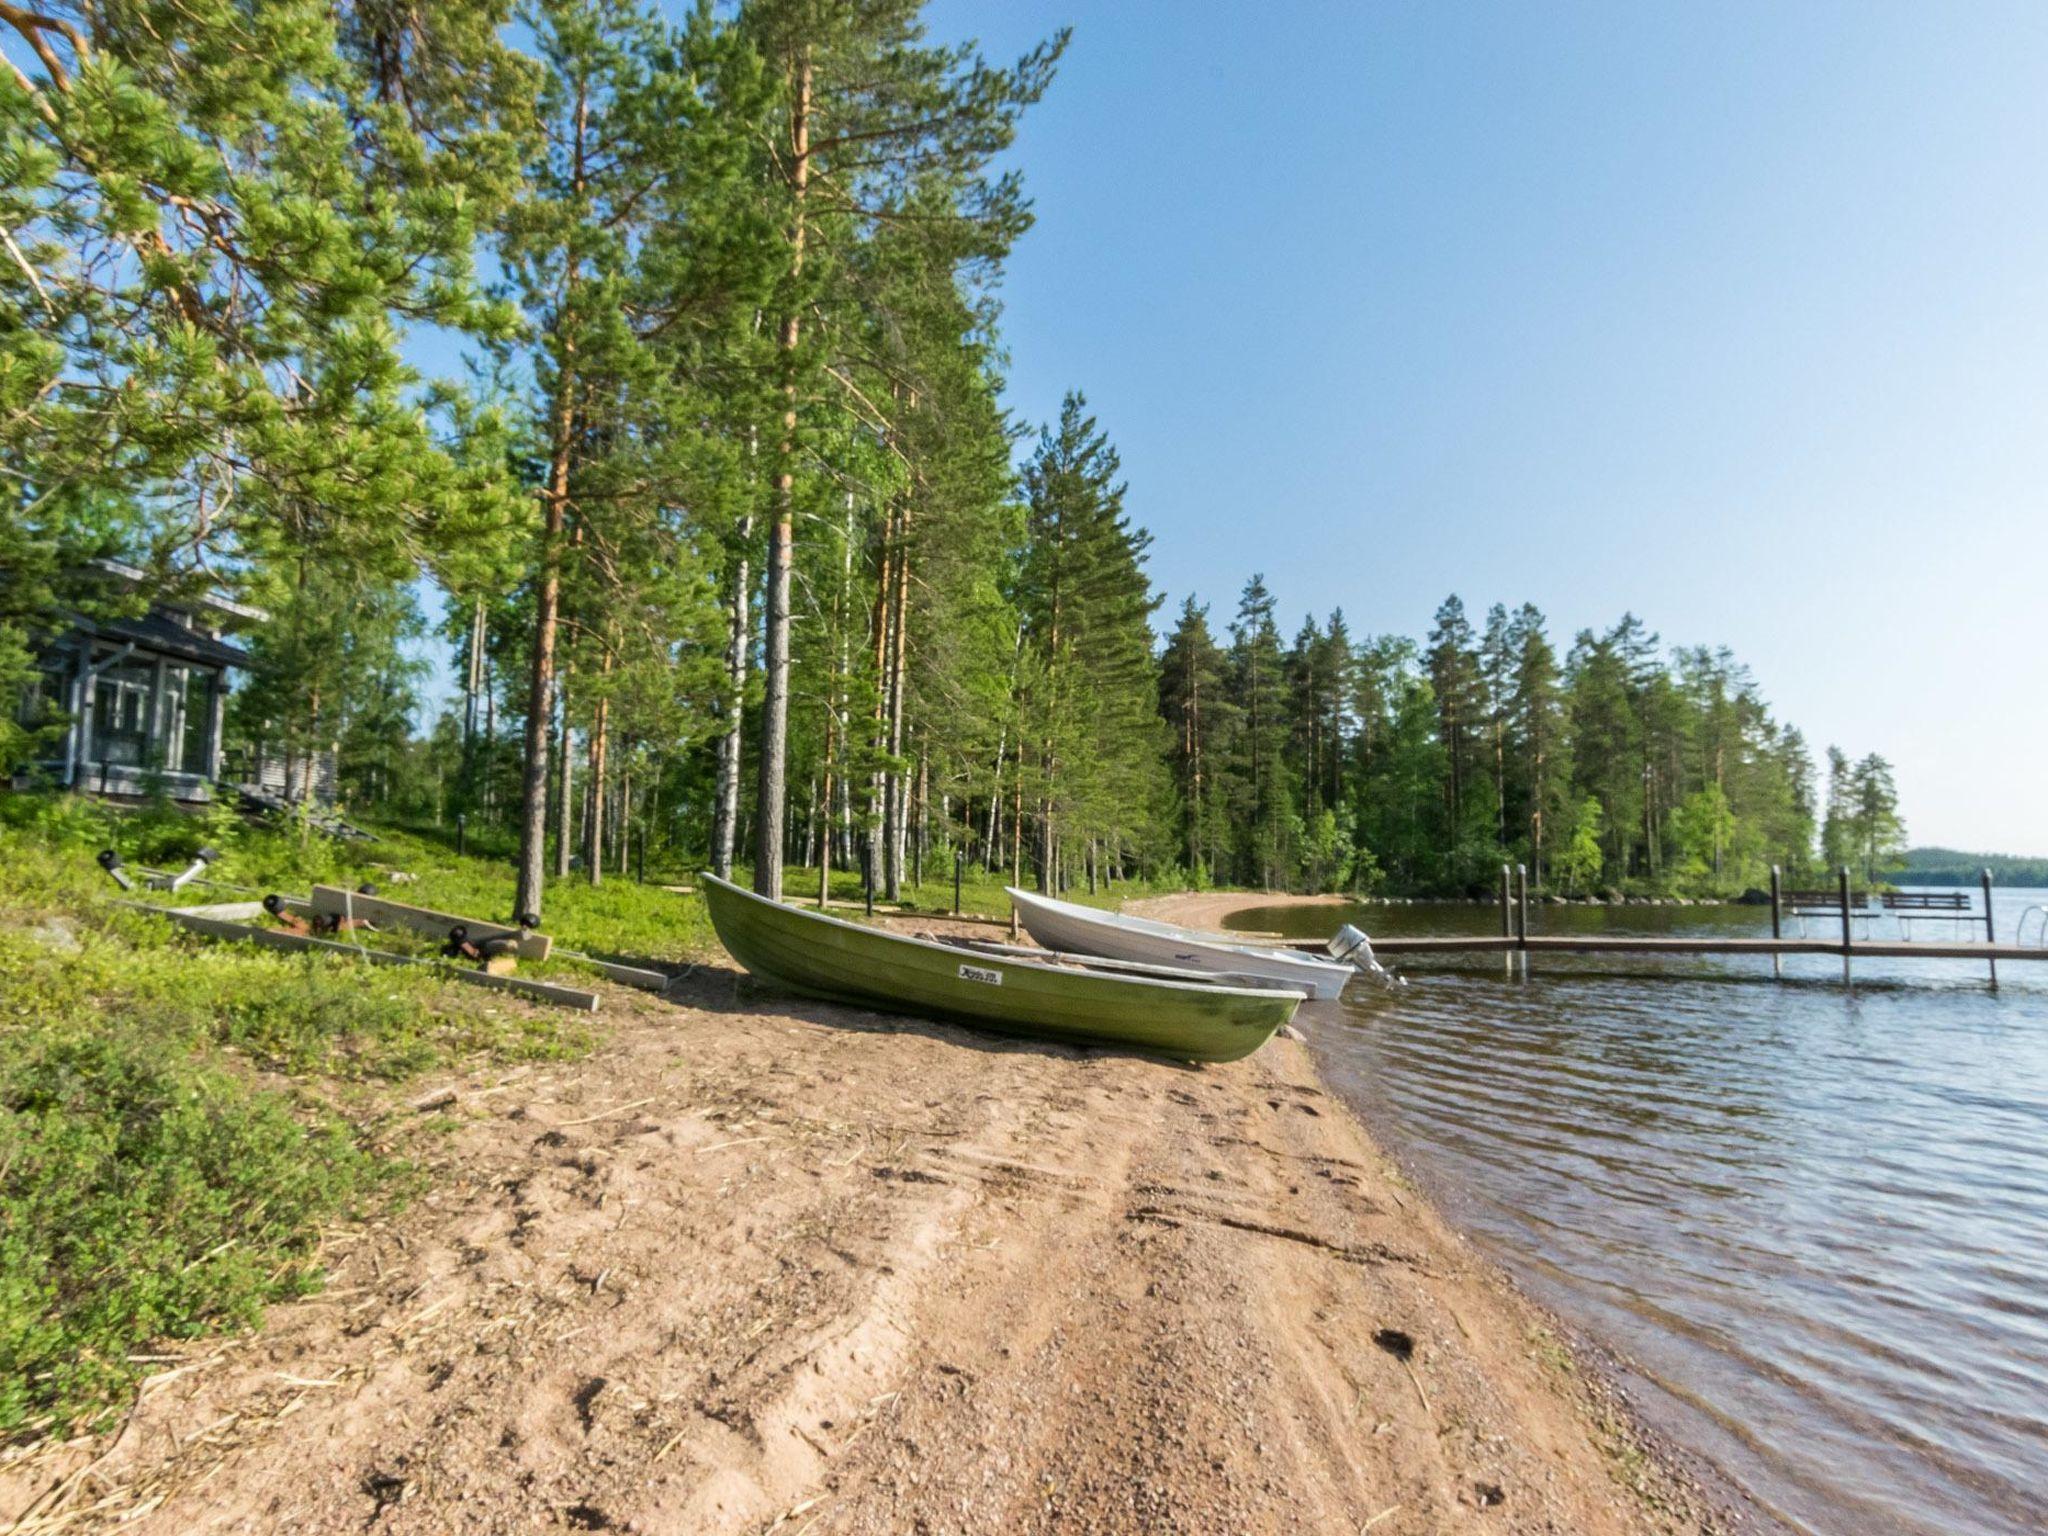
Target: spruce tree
(1091, 720)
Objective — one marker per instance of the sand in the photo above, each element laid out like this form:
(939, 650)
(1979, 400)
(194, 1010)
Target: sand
(761, 1265)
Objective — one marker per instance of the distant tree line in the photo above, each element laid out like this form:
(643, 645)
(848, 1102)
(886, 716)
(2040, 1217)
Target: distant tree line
(1952, 866)
(722, 516)
(1331, 760)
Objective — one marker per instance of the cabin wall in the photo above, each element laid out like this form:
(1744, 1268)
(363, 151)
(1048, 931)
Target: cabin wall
(136, 720)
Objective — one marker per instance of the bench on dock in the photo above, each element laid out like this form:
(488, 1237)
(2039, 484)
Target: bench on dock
(1926, 901)
(1824, 903)
(1942, 906)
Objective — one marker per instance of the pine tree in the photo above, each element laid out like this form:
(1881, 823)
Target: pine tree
(1460, 691)
(1496, 687)
(866, 101)
(1265, 822)
(1194, 699)
(634, 140)
(1536, 713)
(1840, 839)
(1880, 833)
(221, 219)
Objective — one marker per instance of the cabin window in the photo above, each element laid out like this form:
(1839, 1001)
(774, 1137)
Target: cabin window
(188, 719)
(120, 716)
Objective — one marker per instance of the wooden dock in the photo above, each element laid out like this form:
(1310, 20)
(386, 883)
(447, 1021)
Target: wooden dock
(1635, 944)
(1515, 940)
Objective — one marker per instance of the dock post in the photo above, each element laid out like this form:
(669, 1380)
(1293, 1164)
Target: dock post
(1848, 933)
(1777, 921)
(1522, 916)
(1990, 925)
(1507, 917)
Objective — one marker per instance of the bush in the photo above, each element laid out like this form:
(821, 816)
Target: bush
(170, 1142)
(146, 1196)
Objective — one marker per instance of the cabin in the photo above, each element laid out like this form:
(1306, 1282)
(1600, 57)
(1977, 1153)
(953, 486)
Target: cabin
(142, 703)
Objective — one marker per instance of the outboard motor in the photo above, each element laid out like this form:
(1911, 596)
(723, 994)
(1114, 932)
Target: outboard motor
(1350, 945)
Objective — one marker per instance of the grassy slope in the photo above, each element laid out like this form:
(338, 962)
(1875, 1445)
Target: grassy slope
(180, 1119)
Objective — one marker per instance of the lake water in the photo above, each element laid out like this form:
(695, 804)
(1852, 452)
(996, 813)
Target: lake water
(1812, 1219)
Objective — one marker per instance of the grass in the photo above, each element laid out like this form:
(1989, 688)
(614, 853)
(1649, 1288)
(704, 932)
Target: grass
(180, 1120)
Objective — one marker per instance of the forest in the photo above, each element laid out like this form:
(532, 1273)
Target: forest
(648, 362)
(1952, 866)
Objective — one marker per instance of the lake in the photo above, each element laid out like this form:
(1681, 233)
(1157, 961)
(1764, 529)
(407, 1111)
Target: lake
(1813, 1220)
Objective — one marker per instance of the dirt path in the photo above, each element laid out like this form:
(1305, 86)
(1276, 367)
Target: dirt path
(762, 1265)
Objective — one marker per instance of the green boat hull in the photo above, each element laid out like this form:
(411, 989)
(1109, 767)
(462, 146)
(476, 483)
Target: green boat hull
(821, 956)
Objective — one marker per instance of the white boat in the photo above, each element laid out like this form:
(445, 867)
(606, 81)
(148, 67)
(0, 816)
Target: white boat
(1062, 925)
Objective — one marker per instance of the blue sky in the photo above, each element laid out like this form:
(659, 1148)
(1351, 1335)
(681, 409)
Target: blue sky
(1733, 315)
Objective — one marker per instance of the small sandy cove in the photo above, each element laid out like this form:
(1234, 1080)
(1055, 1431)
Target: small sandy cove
(761, 1265)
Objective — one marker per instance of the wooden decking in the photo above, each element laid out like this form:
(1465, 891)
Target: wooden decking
(1627, 944)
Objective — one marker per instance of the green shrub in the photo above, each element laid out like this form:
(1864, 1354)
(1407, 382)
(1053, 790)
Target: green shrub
(146, 1196)
(172, 1111)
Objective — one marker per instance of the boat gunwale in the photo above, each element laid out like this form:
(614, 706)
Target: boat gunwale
(1153, 927)
(1041, 967)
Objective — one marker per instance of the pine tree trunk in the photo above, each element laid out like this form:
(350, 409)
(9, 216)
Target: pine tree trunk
(600, 745)
(490, 733)
(565, 801)
(622, 833)
(899, 781)
(1017, 825)
(880, 800)
(924, 816)
(725, 819)
(825, 820)
(533, 800)
(769, 809)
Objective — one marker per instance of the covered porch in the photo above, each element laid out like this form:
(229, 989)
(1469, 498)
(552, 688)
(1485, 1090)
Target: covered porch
(145, 700)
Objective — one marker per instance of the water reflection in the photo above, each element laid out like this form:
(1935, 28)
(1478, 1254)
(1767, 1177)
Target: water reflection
(1815, 1218)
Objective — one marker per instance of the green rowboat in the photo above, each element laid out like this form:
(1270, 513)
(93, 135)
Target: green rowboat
(821, 956)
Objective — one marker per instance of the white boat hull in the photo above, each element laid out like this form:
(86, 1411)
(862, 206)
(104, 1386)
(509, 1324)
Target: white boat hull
(1063, 925)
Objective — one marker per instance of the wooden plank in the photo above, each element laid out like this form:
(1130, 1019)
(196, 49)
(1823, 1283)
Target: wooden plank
(213, 926)
(333, 901)
(231, 911)
(539, 991)
(645, 979)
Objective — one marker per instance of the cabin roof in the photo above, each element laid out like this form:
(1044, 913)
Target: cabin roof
(215, 604)
(154, 632)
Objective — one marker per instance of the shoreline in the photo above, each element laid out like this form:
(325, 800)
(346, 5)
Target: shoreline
(763, 1264)
(1716, 1501)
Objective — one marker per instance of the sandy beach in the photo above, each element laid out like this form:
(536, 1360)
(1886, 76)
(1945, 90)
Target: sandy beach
(762, 1265)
